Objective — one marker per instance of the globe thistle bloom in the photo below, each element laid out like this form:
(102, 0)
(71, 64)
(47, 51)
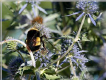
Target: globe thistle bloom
(88, 8)
(14, 65)
(33, 4)
(43, 29)
(37, 22)
(44, 59)
(75, 55)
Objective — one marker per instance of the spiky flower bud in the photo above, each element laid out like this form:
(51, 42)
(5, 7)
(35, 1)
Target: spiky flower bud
(87, 6)
(11, 45)
(14, 65)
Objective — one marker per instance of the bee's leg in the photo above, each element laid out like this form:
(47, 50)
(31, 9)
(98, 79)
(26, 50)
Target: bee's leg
(44, 45)
(44, 36)
(50, 42)
(43, 41)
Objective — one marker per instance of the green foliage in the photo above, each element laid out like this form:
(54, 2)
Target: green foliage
(50, 71)
(26, 70)
(51, 77)
(62, 28)
(84, 37)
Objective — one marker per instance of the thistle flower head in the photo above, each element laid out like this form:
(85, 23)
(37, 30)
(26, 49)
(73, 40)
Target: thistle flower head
(75, 54)
(43, 29)
(87, 6)
(12, 44)
(44, 59)
(37, 22)
(33, 5)
(14, 65)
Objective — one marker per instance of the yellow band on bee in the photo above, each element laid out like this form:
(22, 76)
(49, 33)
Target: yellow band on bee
(37, 41)
(34, 28)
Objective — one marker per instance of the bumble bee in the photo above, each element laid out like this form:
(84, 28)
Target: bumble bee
(33, 40)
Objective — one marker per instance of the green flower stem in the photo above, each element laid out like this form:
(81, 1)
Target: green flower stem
(62, 69)
(30, 52)
(21, 56)
(77, 36)
(72, 68)
(75, 40)
(29, 77)
(64, 53)
(57, 63)
(5, 41)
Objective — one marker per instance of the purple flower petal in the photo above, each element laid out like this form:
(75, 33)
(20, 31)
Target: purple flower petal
(99, 17)
(41, 9)
(73, 60)
(22, 8)
(73, 13)
(80, 16)
(95, 59)
(33, 10)
(45, 64)
(81, 51)
(92, 19)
